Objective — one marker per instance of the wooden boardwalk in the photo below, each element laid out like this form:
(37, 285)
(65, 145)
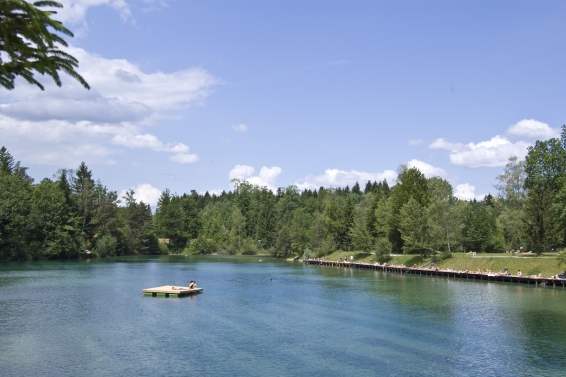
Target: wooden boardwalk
(443, 273)
(170, 291)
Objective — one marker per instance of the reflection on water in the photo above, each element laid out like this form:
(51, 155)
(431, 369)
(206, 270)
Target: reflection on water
(257, 317)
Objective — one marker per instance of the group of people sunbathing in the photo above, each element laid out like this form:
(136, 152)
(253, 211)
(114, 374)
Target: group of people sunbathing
(518, 252)
(478, 271)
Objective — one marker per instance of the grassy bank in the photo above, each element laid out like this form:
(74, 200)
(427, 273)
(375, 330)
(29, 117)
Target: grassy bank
(547, 265)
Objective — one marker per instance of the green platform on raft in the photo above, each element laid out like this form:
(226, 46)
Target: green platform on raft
(170, 291)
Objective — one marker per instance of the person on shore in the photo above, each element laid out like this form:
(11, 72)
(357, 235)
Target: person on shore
(519, 274)
(351, 258)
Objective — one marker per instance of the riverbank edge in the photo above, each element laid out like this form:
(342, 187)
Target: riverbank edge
(466, 274)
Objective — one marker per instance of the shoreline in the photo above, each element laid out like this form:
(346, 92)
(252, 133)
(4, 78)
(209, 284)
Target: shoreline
(450, 273)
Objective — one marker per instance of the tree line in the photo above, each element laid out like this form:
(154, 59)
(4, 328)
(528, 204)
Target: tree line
(61, 218)
(64, 216)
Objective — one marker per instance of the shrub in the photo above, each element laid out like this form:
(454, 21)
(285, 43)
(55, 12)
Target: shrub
(106, 245)
(442, 256)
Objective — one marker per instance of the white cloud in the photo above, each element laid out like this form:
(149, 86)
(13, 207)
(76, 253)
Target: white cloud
(122, 101)
(148, 141)
(465, 191)
(240, 127)
(342, 178)
(74, 11)
(445, 144)
(144, 192)
(267, 176)
(138, 141)
(533, 129)
(428, 170)
(241, 172)
(496, 151)
(415, 142)
(90, 105)
(69, 156)
(184, 158)
(177, 148)
(158, 90)
(112, 98)
(491, 153)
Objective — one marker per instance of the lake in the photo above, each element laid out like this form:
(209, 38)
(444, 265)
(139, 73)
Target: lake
(259, 317)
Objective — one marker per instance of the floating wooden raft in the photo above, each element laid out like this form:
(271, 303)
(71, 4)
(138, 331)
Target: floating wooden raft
(170, 291)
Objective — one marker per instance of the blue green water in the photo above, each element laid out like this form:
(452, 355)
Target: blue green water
(258, 317)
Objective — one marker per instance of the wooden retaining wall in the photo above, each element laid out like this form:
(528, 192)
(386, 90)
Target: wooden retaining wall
(443, 273)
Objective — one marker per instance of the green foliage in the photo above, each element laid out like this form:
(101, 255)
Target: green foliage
(202, 246)
(249, 247)
(163, 248)
(107, 246)
(561, 213)
(309, 253)
(481, 232)
(541, 218)
(284, 244)
(511, 222)
(61, 218)
(411, 184)
(299, 231)
(359, 232)
(169, 220)
(337, 217)
(10, 166)
(442, 216)
(84, 199)
(383, 248)
(30, 43)
(15, 199)
(545, 166)
(138, 227)
(327, 246)
(511, 184)
(440, 257)
(414, 227)
(48, 228)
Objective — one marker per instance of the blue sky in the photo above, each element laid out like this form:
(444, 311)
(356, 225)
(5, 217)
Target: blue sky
(188, 94)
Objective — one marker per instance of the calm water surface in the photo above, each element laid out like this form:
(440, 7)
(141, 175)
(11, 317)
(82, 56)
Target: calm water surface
(257, 317)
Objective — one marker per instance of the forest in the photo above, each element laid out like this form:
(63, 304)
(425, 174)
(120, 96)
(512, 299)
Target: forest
(73, 216)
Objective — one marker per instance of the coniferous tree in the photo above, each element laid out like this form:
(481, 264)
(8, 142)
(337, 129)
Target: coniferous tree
(84, 199)
(138, 226)
(359, 233)
(48, 231)
(15, 199)
(30, 43)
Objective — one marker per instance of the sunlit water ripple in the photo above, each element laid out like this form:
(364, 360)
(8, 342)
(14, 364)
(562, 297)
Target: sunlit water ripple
(265, 318)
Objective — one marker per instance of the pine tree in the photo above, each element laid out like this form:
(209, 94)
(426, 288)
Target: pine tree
(30, 43)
